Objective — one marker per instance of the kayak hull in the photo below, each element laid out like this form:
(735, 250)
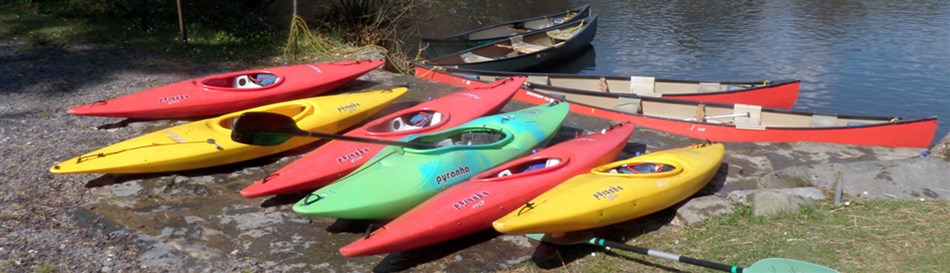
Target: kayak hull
(207, 143)
(471, 206)
(602, 198)
(335, 159)
(397, 179)
(229, 92)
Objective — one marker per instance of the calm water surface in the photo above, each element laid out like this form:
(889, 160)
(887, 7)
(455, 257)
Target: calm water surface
(883, 58)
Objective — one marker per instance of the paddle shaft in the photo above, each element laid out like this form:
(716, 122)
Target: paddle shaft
(417, 145)
(668, 256)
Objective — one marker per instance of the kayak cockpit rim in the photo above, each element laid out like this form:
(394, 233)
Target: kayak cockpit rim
(523, 168)
(462, 138)
(297, 112)
(408, 122)
(640, 169)
(241, 81)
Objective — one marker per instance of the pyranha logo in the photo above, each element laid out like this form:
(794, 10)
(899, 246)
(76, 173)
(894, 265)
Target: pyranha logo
(349, 107)
(174, 99)
(353, 156)
(444, 177)
(471, 199)
(609, 193)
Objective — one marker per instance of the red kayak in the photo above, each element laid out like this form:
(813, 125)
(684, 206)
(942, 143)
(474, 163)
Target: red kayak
(338, 158)
(471, 206)
(728, 122)
(229, 92)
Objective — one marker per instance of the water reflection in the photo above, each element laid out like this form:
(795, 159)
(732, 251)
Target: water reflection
(853, 57)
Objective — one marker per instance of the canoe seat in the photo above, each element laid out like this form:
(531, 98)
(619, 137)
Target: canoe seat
(644, 86)
(558, 34)
(518, 44)
(708, 87)
(627, 105)
(469, 57)
(823, 121)
(749, 117)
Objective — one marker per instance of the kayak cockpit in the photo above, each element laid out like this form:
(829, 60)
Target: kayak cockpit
(408, 122)
(465, 138)
(296, 112)
(640, 169)
(524, 168)
(242, 81)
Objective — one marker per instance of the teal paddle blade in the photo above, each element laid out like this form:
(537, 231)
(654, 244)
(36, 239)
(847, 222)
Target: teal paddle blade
(779, 265)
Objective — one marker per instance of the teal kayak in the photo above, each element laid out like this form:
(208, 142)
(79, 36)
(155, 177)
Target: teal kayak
(399, 178)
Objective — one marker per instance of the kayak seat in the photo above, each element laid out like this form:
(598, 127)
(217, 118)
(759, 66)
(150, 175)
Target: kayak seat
(416, 121)
(256, 81)
(642, 168)
(479, 138)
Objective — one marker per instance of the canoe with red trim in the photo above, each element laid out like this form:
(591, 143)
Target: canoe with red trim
(337, 158)
(767, 93)
(730, 122)
(229, 92)
(471, 206)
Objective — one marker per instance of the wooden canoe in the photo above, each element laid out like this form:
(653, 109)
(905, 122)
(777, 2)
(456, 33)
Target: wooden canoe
(523, 52)
(767, 93)
(731, 122)
(440, 46)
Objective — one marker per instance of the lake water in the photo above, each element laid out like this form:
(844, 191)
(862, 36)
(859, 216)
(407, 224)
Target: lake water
(882, 58)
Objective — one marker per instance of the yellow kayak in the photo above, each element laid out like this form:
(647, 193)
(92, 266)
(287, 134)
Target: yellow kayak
(207, 142)
(617, 192)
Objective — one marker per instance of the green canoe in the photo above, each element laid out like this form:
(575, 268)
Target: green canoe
(397, 179)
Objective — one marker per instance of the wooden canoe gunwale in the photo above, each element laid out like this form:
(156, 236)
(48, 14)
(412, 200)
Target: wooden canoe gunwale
(581, 11)
(885, 131)
(582, 37)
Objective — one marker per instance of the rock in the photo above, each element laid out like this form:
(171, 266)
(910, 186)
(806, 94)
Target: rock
(699, 209)
(912, 178)
(771, 202)
(942, 149)
(808, 193)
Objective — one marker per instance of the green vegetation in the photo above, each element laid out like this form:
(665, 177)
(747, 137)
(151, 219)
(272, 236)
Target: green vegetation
(867, 236)
(254, 32)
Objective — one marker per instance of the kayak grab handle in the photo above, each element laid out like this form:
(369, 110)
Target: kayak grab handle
(528, 205)
(308, 200)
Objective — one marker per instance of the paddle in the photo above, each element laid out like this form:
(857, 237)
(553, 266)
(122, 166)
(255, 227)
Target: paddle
(269, 129)
(768, 265)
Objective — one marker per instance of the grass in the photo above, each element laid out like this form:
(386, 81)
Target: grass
(867, 236)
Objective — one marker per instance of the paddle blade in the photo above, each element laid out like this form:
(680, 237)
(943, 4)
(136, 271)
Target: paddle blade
(264, 129)
(779, 265)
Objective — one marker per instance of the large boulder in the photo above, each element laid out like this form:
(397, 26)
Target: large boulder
(912, 178)
(770, 202)
(699, 209)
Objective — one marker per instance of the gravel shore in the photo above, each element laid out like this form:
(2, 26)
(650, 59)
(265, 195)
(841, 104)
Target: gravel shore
(194, 221)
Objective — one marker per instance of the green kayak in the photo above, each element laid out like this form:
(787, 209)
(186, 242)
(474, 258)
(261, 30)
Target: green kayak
(397, 179)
